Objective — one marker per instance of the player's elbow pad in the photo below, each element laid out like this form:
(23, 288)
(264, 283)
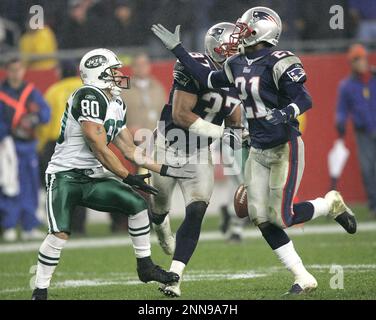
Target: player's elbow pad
(206, 129)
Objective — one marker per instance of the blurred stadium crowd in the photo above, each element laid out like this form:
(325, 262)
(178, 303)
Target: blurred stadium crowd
(81, 24)
(72, 24)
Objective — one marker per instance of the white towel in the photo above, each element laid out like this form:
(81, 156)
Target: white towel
(337, 158)
(9, 168)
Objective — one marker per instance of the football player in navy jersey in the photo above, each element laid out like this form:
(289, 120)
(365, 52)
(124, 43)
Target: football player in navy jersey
(189, 122)
(271, 87)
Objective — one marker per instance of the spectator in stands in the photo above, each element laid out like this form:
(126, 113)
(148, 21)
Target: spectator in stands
(120, 28)
(23, 109)
(57, 96)
(357, 100)
(364, 14)
(38, 42)
(78, 30)
(146, 95)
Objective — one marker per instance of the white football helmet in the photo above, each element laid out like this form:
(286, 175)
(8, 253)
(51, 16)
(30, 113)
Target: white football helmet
(96, 69)
(218, 45)
(258, 24)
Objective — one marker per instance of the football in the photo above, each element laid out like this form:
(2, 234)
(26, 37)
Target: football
(240, 202)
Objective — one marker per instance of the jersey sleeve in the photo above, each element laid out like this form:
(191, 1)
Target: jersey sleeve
(183, 80)
(206, 77)
(288, 69)
(89, 104)
(124, 123)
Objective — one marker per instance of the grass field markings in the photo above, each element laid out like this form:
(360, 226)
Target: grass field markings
(128, 279)
(344, 266)
(99, 282)
(205, 236)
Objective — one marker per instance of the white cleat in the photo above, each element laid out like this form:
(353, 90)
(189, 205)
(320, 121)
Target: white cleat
(10, 235)
(165, 236)
(172, 290)
(303, 284)
(340, 212)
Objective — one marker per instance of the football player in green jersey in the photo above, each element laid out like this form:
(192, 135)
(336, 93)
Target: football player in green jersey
(84, 171)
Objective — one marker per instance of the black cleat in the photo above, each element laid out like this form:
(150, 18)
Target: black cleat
(156, 273)
(39, 294)
(295, 290)
(235, 238)
(347, 221)
(341, 213)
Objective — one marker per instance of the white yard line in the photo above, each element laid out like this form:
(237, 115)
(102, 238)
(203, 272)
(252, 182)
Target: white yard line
(125, 279)
(98, 282)
(205, 236)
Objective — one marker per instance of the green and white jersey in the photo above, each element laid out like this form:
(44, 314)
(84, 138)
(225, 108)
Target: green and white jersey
(87, 103)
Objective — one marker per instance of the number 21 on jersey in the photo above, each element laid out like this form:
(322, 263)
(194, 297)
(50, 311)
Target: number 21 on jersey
(257, 109)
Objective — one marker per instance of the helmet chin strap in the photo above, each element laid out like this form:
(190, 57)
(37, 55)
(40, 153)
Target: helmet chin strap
(115, 90)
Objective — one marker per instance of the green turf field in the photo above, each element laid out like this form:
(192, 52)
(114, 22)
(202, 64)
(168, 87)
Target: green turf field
(218, 270)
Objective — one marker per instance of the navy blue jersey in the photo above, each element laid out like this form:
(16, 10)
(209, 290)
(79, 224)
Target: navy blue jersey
(264, 83)
(213, 105)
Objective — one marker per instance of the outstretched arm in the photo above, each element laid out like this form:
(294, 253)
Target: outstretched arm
(124, 141)
(207, 78)
(182, 115)
(95, 136)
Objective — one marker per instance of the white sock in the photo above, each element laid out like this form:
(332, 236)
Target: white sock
(321, 207)
(139, 231)
(177, 267)
(48, 258)
(290, 259)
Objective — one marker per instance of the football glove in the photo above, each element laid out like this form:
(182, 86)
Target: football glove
(276, 116)
(176, 172)
(137, 181)
(169, 39)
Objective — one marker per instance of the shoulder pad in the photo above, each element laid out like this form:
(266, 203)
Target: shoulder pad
(89, 101)
(281, 61)
(181, 76)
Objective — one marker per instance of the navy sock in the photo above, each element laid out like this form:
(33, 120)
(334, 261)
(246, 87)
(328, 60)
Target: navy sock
(189, 232)
(274, 235)
(158, 218)
(303, 212)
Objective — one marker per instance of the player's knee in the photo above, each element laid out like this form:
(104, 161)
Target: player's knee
(196, 210)
(198, 196)
(191, 226)
(160, 204)
(136, 204)
(257, 214)
(61, 235)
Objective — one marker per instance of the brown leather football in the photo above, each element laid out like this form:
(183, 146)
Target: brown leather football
(240, 202)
